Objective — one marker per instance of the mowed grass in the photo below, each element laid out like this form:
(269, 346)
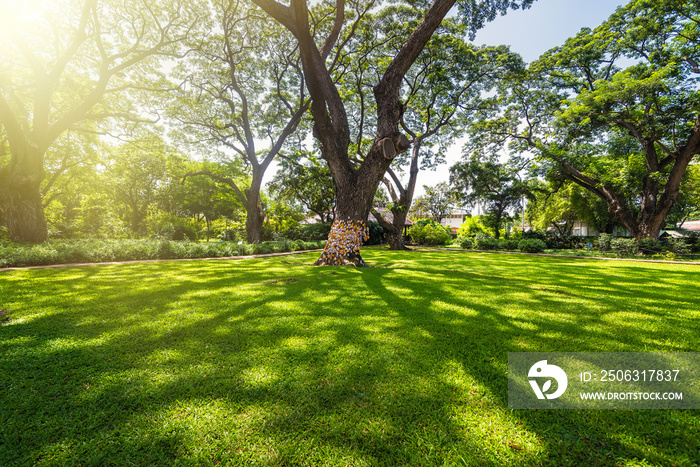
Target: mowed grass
(277, 362)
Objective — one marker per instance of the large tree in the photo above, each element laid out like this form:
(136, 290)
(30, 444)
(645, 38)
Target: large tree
(76, 69)
(357, 180)
(243, 86)
(446, 85)
(615, 110)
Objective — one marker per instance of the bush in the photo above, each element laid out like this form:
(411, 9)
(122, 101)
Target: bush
(624, 246)
(93, 251)
(679, 246)
(309, 232)
(486, 243)
(229, 235)
(466, 243)
(376, 234)
(650, 246)
(532, 245)
(693, 241)
(534, 234)
(177, 232)
(556, 241)
(509, 244)
(604, 242)
(430, 233)
(470, 228)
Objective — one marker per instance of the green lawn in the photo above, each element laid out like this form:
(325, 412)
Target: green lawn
(276, 362)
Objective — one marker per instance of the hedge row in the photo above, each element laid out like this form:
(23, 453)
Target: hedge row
(95, 251)
(531, 245)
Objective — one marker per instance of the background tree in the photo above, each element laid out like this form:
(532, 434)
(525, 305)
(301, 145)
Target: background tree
(74, 72)
(356, 180)
(303, 179)
(438, 201)
(496, 186)
(559, 205)
(135, 173)
(242, 85)
(615, 110)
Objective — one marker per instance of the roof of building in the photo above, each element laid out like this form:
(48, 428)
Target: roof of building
(691, 225)
(388, 216)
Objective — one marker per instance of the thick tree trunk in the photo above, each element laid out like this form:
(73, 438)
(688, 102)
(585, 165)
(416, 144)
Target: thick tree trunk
(20, 195)
(24, 213)
(255, 214)
(255, 218)
(394, 229)
(395, 238)
(349, 230)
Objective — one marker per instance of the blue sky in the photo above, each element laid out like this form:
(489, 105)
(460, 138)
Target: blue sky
(546, 24)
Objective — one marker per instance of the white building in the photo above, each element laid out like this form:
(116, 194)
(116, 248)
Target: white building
(455, 219)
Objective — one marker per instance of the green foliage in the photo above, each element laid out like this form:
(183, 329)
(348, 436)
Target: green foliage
(613, 109)
(467, 243)
(624, 246)
(486, 243)
(234, 233)
(178, 232)
(508, 244)
(650, 246)
(429, 233)
(679, 246)
(604, 242)
(89, 251)
(479, 179)
(309, 232)
(437, 203)
(532, 245)
(376, 234)
(489, 244)
(471, 227)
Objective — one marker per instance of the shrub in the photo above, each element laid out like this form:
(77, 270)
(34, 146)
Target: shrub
(679, 246)
(624, 246)
(509, 244)
(470, 228)
(486, 243)
(651, 246)
(693, 241)
(556, 241)
(177, 232)
(604, 242)
(427, 232)
(265, 248)
(534, 234)
(376, 234)
(532, 245)
(309, 232)
(466, 243)
(229, 235)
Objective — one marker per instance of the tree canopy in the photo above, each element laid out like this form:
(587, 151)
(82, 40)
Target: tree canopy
(614, 110)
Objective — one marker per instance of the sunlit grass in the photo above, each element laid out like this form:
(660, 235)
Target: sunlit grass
(276, 362)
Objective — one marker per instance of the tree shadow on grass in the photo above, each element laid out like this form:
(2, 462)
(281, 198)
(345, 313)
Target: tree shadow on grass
(264, 363)
(481, 338)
